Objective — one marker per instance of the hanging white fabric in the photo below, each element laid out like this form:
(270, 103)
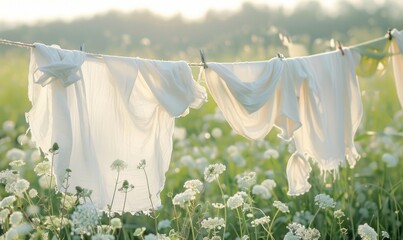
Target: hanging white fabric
(397, 60)
(118, 108)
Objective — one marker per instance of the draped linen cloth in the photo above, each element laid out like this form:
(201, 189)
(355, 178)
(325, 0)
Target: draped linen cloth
(397, 59)
(102, 108)
(331, 116)
(315, 100)
(256, 96)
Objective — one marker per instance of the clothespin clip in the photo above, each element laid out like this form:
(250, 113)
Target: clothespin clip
(281, 56)
(82, 46)
(390, 34)
(203, 59)
(340, 47)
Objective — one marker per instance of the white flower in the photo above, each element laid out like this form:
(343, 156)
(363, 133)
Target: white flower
(8, 126)
(216, 132)
(218, 205)
(235, 201)
(42, 168)
(324, 201)
(338, 213)
(118, 165)
(17, 163)
(291, 236)
(47, 182)
(187, 160)
(151, 236)
(164, 224)
(4, 214)
(260, 221)
(281, 207)
(32, 210)
(212, 172)
(301, 232)
(16, 218)
(246, 180)
(269, 184)
(100, 236)
(271, 153)
(232, 150)
(367, 233)
(12, 234)
(390, 160)
(385, 234)
(213, 223)
(8, 176)
(7, 201)
(15, 154)
(116, 223)
(195, 185)
(84, 219)
(184, 197)
(68, 201)
(20, 186)
(261, 191)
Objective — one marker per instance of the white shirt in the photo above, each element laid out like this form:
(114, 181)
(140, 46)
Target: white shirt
(102, 108)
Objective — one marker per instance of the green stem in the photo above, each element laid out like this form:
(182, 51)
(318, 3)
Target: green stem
(225, 207)
(151, 201)
(191, 222)
(314, 216)
(240, 223)
(114, 193)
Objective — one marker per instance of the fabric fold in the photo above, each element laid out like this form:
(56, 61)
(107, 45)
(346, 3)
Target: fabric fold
(298, 171)
(397, 59)
(62, 65)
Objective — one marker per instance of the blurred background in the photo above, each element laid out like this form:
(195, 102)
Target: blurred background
(176, 30)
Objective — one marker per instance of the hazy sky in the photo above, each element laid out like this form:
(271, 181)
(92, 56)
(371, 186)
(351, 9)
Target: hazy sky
(30, 11)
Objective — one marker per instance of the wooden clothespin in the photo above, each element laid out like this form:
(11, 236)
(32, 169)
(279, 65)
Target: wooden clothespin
(203, 59)
(281, 56)
(390, 34)
(340, 47)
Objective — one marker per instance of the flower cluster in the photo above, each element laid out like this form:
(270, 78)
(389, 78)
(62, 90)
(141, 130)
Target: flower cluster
(213, 223)
(84, 219)
(298, 231)
(212, 172)
(324, 201)
(366, 232)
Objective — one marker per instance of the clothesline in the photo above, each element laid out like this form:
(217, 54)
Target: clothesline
(30, 45)
(203, 63)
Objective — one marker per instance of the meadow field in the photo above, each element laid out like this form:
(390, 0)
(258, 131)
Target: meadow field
(219, 185)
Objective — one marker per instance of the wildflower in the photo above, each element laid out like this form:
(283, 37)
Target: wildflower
(195, 185)
(218, 205)
(261, 191)
(164, 224)
(324, 201)
(47, 182)
(151, 236)
(53, 222)
(291, 236)
(385, 234)
(142, 164)
(32, 210)
(32, 193)
(366, 232)
(139, 231)
(20, 186)
(184, 197)
(281, 207)
(187, 160)
(84, 219)
(4, 214)
(68, 201)
(390, 160)
(39, 235)
(7, 201)
(212, 172)
(216, 133)
(42, 168)
(15, 154)
(8, 126)
(269, 184)
(16, 218)
(12, 234)
(271, 153)
(301, 232)
(246, 180)
(232, 150)
(17, 163)
(116, 223)
(260, 221)
(338, 213)
(100, 236)
(213, 223)
(8, 176)
(235, 201)
(118, 165)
